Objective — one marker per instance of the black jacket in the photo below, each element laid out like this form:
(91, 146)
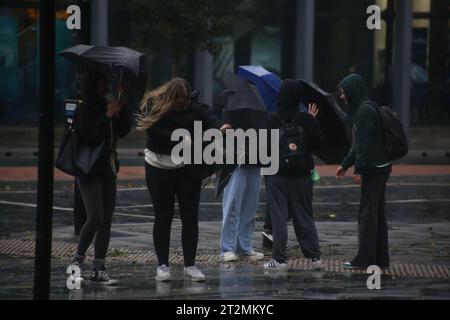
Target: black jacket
(94, 126)
(159, 136)
(288, 110)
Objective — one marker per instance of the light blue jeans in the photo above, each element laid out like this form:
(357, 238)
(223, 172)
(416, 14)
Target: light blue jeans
(240, 202)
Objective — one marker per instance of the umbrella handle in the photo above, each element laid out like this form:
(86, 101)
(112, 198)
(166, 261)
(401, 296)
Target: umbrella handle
(120, 82)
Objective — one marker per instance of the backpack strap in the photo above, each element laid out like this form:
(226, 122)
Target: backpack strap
(380, 127)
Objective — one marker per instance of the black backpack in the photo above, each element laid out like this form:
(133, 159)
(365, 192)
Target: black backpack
(294, 149)
(395, 144)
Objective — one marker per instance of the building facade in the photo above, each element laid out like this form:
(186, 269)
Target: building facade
(406, 62)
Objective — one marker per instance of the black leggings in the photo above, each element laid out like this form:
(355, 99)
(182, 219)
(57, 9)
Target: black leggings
(163, 185)
(99, 198)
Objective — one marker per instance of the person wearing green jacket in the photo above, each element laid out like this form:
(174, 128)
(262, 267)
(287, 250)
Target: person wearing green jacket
(372, 171)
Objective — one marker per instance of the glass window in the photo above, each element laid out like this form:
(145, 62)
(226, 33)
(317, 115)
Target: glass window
(19, 65)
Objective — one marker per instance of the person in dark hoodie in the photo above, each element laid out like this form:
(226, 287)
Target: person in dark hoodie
(98, 120)
(290, 191)
(372, 171)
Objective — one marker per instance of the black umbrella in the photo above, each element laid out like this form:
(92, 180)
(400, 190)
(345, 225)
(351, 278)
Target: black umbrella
(112, 61)
(244, 109)
(222, 178)
(122, 63)
(332, 122)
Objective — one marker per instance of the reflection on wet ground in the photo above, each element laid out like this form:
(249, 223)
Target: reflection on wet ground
(224, 281)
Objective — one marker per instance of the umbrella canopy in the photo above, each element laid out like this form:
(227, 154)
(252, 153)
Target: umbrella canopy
(332, 122)
(112, 61)
(268, 84)
(244, 109)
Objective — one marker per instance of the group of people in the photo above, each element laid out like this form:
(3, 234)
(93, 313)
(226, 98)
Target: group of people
(289, 192)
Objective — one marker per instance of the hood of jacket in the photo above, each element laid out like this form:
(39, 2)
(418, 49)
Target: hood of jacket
(355, 91)
(289, 98)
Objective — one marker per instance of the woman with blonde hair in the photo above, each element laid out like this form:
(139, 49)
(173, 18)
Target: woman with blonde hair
(164, 110)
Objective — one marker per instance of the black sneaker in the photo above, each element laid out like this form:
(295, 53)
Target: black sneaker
(101, 277)
(267, 239)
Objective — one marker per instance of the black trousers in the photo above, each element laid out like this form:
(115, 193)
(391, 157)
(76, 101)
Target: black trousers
(163, 186)
(292, 196)
(99, 199)
(372, 223)
(267, 220)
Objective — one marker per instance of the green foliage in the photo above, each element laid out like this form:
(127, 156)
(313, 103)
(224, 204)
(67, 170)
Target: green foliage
(185, 25)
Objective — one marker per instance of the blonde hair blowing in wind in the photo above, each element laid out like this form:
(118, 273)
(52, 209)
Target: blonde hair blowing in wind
(174, 95)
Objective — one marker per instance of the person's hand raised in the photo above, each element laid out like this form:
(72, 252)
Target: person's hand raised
(313, 110)
(225, 127)
(113, 108)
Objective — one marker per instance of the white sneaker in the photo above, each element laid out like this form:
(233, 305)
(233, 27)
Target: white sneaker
(163, 273)
(253, 255)
(194, 273)
(229, 256)
(275, 265)
(316, 264)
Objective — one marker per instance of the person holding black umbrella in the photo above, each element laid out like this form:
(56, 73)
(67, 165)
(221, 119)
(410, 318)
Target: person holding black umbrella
(290, 191)
(99, 121)
(372, 171)
(241, 183)
(101, 118)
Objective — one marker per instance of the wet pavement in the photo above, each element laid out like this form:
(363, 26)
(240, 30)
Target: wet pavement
(409, 199)
(224, 281)
(418, 210)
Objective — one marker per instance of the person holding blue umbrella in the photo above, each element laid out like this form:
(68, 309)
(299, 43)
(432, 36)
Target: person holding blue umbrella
(268, 85)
